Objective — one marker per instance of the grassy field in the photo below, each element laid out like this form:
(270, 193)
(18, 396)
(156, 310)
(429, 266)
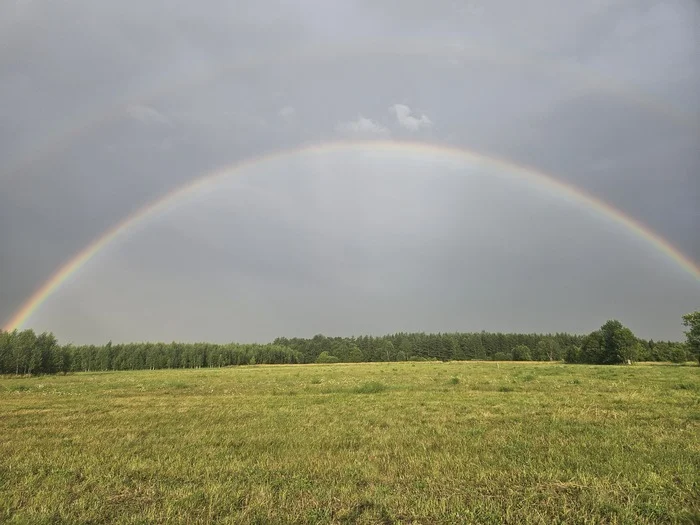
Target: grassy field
(366, 443)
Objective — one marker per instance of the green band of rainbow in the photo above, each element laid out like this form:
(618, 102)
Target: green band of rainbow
(537, 178)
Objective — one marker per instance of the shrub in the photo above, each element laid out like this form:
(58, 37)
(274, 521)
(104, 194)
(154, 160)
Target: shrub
(521, 353)
(325, 357)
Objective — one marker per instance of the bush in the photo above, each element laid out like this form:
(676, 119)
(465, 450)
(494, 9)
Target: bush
(521, 353)
(325, 357)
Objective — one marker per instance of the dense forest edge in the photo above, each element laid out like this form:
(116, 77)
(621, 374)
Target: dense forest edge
(26, 353)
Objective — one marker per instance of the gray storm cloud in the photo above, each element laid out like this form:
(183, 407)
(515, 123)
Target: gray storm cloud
(107, 107)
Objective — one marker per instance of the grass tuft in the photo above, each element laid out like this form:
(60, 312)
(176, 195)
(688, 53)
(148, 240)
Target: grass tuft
(371, 387)
(19, 388)
(178, 385)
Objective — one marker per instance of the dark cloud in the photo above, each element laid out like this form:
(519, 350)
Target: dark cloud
(104, 108)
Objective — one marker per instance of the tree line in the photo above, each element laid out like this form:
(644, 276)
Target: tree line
(25, 352)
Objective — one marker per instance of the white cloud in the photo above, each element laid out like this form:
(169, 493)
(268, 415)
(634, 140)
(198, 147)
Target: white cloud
(408, 120)
(362, 126)
(287, 112)
(146, 114)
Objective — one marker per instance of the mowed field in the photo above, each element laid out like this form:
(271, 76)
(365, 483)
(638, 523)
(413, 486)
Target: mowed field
(475, 442)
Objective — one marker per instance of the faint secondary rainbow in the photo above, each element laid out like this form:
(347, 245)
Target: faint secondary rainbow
(93, 118)
(533, 176)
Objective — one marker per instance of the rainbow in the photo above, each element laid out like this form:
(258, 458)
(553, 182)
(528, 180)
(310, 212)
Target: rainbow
(533, 176)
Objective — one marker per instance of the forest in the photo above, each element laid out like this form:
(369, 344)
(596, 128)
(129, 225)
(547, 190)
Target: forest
(25, 352)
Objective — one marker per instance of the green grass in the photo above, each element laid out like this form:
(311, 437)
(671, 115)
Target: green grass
(357, 443)
(371, 387)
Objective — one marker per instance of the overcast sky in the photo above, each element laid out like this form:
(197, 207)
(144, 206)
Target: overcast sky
(106, 106)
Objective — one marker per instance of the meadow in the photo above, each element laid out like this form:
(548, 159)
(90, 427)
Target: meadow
(425, 442)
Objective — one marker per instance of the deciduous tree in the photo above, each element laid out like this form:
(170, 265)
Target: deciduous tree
(692, 321)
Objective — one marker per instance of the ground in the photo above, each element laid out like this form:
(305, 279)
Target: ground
(474, 442)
